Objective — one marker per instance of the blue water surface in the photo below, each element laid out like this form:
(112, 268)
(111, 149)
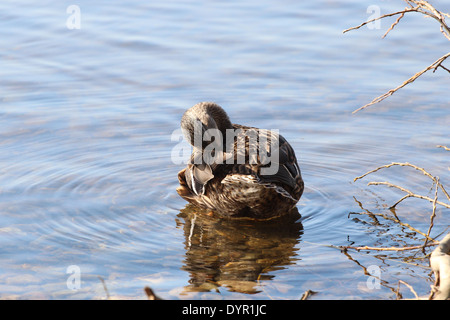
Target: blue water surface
(87, 115)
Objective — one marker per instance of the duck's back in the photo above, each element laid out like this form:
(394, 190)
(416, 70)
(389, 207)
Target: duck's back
(260, 178)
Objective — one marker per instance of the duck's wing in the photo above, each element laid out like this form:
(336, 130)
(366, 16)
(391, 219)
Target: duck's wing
(288, 170)
(274, 163)
(279, 168)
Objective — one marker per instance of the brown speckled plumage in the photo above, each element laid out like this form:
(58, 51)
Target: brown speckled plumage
(238, 190)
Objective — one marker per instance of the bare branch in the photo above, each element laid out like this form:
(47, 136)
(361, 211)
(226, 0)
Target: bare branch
(433, 214)
(434, 65)
(411, 194)
(426, 9)
(402, 164)
(394, 24)
(409, 287)
(381, 17)
(389, 248)
(406, 164)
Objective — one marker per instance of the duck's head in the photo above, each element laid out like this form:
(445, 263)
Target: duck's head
(201, 117)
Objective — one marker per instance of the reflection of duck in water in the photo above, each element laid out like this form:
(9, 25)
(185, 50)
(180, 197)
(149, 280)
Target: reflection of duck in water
(257, 178)
(236, 254)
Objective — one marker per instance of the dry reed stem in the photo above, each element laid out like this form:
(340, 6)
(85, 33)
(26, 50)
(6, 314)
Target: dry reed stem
(426, 9)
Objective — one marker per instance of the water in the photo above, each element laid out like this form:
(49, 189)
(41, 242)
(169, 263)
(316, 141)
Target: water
(86, 118)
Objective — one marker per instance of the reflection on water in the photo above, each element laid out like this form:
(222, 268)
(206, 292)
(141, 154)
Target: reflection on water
(394, 230)
(236, 254)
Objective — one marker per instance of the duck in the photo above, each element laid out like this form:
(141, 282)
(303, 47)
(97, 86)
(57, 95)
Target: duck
(237, 171)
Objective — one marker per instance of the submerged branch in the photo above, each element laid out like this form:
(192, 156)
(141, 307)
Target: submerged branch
(435, 243)
(410, 194)
(407, 225)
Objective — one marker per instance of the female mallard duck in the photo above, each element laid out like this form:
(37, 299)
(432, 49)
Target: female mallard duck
(231, 175)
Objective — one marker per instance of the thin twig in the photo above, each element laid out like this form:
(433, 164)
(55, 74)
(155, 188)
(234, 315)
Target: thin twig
(434, 65)
(440, 65)
(443, 147)
(388, 248)
(433, 214)
(406, 164)
(401, 164)
(432, 12)
(394, 24)
(411, 194)
(401, 199)
(410, 288)
(435, 14)
(381, 17)
(108, 297)
(426, 9)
